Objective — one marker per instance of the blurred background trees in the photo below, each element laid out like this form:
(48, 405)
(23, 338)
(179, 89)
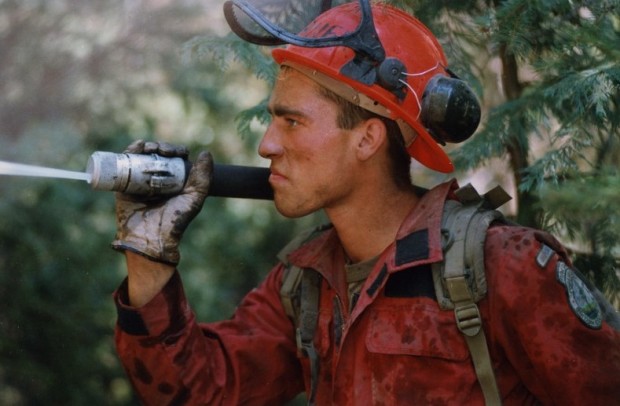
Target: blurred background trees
(79, 76)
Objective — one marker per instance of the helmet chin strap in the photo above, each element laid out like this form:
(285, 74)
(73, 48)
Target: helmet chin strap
(359, 99)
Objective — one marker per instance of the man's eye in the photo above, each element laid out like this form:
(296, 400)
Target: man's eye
(292, 122)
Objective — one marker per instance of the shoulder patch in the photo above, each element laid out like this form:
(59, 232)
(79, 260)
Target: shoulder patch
(581, 299)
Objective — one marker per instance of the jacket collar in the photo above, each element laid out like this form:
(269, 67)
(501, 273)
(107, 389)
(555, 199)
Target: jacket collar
(418, 240)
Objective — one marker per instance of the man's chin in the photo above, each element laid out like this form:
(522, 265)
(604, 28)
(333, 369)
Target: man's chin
(290, 209)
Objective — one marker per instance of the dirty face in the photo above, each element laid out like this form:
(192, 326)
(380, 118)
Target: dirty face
(312, 160)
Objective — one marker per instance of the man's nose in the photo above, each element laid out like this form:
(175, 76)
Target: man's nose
(270, 145)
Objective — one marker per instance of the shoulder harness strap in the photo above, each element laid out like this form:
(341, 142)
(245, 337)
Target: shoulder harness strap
(290, 291)
(460, 280)
(301, 283)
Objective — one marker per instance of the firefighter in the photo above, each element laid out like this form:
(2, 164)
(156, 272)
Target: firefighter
(352, 313)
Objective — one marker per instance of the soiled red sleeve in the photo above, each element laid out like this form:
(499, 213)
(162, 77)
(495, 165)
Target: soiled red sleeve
(171, 359)
(562, 342)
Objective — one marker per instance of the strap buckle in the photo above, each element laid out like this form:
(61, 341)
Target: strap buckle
(468, 319)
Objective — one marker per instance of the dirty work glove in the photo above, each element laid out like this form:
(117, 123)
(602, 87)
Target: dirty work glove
(153, 226)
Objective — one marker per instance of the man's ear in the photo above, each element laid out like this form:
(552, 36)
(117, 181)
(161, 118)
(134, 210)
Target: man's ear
(373, 134)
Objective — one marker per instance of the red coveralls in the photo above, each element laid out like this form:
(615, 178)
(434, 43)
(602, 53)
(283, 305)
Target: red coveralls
(396, 347)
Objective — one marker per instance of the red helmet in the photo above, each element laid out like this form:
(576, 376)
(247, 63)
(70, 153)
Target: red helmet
(386, 61)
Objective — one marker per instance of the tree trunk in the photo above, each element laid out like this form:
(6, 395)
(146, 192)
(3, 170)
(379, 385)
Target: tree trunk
(528, 213)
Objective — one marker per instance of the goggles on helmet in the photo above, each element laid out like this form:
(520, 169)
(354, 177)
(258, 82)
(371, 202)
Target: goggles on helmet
(277, 22)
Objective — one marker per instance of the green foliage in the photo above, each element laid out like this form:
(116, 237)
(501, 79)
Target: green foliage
(56, 321)
(590, 219)
(228, 50)
(224, 51)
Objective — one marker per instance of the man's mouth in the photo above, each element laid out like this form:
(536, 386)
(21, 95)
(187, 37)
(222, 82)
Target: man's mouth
(276, 176)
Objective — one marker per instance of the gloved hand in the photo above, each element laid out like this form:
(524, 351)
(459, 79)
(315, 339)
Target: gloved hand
(153, 226)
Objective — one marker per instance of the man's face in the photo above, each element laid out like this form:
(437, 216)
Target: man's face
(312, 160)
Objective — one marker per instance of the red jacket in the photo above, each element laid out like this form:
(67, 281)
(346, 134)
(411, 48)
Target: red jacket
(548, 341)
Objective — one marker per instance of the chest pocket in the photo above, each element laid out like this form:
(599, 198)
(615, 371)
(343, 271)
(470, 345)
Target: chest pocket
(408, 321)
(415, 327)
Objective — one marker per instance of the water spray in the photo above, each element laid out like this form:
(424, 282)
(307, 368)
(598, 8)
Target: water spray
(152, 175)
